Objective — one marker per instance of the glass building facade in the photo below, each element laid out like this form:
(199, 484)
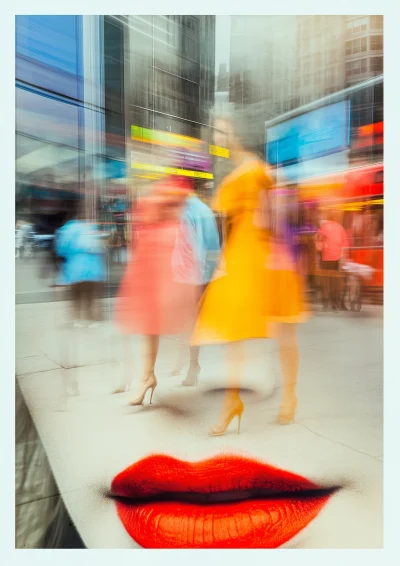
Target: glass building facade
(49, 111)
(83, 82)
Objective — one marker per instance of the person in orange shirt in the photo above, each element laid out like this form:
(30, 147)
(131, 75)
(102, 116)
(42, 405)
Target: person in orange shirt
(334, 244)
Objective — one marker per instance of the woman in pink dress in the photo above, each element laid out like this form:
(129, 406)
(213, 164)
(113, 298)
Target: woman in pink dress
(151, 300)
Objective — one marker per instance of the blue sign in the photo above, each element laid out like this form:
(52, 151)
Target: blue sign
(315, 134)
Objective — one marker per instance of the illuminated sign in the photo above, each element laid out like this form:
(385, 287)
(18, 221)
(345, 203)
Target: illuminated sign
(369, 135)
(159, 137)
(317, 133)
(167, 139)
(218, 151)
(171, 171)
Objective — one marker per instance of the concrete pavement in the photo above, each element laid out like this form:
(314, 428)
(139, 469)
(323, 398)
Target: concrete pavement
(333, 347)
(66, 377)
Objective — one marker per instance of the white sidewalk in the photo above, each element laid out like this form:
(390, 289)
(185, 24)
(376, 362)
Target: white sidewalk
(337, 437)
(341, 358)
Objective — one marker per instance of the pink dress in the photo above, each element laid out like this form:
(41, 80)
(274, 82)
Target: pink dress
(150, 301)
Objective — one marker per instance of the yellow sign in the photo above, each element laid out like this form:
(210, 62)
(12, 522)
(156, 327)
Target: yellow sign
(167, 139)
(218, 151)
(354, 206)
(171, 171)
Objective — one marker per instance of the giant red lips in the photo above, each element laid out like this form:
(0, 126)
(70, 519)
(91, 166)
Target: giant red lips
(223, 502)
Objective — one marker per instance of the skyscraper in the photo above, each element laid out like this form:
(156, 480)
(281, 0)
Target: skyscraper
(170, 72)
(363, 47)
(263, 68)
(320, 56)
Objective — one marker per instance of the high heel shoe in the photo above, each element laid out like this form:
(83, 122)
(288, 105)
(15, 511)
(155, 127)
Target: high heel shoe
(192, 376)
(287, 412)
(149, 383)
(235, 411)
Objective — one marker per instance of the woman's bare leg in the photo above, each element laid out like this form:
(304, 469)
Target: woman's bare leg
(152, 343)
(289, 358)
(181, 357)
(194, 367)
(235, 356)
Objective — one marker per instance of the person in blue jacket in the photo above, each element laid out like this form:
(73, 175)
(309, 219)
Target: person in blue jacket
(200, 228)
(79, 245)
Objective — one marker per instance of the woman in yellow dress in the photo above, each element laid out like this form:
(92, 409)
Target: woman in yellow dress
(250, 288)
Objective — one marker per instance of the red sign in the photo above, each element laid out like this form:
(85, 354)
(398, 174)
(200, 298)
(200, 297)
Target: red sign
(363, 182)
(369, 135)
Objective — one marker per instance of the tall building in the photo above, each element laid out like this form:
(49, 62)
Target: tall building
(334, 52)
(281, 62)
(59, 112)
(263, 62)
(263, 68)
(363, 48)
(160, 78)
(320, 57)
(84, 81)
(222, 105)
(170, 72)
(222, 78)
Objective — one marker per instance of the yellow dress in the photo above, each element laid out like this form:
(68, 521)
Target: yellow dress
(244, 295)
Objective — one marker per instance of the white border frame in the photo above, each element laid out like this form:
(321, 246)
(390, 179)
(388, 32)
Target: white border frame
(391, 11)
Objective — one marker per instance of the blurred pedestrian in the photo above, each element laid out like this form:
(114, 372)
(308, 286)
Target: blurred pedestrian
(249, 289)
(151, 301)
(332, 242)
(79, 245)
(199, 223)
(23, 239)
(307, 231)
(19, 239)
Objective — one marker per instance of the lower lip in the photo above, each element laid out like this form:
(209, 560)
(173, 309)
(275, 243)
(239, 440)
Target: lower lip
(251, 523)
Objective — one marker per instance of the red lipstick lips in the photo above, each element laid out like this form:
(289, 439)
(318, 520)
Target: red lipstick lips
(223, 502)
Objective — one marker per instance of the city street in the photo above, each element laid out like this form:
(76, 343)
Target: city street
(30, 287)
(337, 435)
(146, 149)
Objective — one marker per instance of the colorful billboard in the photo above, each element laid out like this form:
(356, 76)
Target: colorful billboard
(312, 135)
(174, 154)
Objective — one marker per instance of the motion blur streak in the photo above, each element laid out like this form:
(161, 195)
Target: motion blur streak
(208, 178)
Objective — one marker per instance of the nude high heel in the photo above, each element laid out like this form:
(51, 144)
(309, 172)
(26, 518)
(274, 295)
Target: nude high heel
(236, 410)
(149, 383)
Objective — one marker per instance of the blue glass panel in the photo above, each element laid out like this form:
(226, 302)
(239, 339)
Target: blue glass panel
(317, 133)
(49, 52)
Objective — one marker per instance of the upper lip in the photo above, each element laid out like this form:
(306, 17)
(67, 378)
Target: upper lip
(224, 502)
